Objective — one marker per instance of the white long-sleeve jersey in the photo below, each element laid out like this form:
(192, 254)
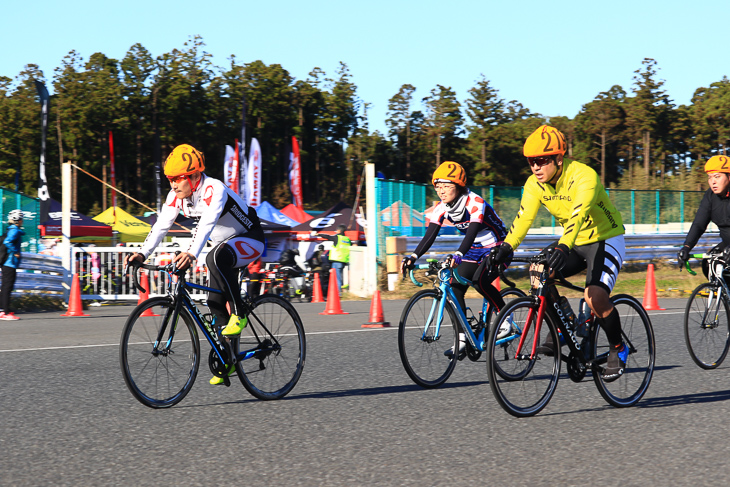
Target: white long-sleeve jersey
(220, 212)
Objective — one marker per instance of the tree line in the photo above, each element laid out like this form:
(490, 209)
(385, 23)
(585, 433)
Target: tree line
(635, 139)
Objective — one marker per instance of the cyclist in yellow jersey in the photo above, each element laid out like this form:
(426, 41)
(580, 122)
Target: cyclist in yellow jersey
(592, 232)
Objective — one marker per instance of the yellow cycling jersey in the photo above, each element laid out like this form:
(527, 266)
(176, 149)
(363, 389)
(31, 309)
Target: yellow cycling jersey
(578, 202)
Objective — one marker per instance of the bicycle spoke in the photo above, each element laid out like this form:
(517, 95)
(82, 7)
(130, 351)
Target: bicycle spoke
(706, 326)
(159, 375)
(423, 344)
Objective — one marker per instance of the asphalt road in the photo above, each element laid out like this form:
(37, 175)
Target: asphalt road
(355, 418)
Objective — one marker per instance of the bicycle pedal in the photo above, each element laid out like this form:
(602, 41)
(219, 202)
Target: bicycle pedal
(227, 381)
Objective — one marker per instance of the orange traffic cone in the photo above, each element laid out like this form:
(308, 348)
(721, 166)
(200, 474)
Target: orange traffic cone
(144, 296)
(333, 298)
(75, 308)
(650, 302)
(496, 284)
(377, 319)
(317, 296)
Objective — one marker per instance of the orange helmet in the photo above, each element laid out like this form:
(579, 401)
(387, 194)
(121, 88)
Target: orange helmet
(718, 164)
(184, 160)
(449, 172)
(545, 141)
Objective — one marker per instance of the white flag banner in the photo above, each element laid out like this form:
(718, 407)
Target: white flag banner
(253, 178)
(228, 168)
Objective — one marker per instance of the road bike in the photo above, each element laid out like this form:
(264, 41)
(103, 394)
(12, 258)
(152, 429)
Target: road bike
(706, 326)
(523, 381)
(430, 324)
(160, 349)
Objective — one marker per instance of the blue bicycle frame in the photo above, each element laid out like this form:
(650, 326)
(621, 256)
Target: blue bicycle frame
(183, 299)
(438, 306)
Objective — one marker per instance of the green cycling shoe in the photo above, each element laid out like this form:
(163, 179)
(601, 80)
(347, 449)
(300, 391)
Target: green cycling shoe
(220, 380)
(235, 326)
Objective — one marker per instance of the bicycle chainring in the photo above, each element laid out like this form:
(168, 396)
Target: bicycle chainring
(473, 353)
(217, 367)
(576, 369)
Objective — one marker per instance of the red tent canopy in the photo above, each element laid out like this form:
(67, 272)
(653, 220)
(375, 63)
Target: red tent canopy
(296, 213)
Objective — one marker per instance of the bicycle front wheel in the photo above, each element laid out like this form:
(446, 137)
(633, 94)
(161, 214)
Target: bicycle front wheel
(422, 344)
(159, 373)
(522, 384)
(638, 335)
(706, 326)
(271, 349)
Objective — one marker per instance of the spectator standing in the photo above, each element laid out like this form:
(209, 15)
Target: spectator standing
(339, 255)
(12, 262)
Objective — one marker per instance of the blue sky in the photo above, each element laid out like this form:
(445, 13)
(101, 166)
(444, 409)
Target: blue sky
(553, 57)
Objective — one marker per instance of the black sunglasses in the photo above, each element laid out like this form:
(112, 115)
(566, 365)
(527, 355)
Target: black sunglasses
(539, 161)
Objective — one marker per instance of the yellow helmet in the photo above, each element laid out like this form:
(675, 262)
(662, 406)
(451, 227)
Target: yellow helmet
(184, 160)
(718, 164)
(449, 172)
(545, 141)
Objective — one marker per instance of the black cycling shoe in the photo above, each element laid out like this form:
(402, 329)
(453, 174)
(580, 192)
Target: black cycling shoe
(547, 348)
(462, 351)
(616, 363)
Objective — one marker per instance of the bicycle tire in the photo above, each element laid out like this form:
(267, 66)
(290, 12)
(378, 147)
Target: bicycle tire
(707, 337)
(275, 335)
(638, 334)
(422, 353)
(522, 386)
(512, 293)
(158, 380)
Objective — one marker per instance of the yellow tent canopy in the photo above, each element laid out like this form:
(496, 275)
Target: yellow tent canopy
(128, 228)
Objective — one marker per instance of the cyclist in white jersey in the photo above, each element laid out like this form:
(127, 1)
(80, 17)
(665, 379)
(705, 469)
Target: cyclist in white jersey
(224, 218)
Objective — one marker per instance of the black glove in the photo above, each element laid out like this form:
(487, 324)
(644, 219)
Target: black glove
(683, 256)
(558, 257)
(408, 264)
(499, 255)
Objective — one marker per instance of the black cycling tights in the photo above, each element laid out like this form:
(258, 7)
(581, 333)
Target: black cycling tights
(224, 276)
(482, 279)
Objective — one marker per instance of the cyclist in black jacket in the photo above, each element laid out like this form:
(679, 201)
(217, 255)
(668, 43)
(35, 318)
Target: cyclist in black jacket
(714, 207)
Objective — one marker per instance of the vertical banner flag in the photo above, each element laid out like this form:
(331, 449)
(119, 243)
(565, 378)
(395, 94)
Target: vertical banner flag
(157, 157)
(42, 181)
(114, 178)
(253, 178)
(242, 180)
(230, 167)
(242, 154)
(295, 174)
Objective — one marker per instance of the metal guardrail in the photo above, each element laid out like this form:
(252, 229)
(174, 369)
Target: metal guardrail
(44, 274)
(639, 247)
(39, 274)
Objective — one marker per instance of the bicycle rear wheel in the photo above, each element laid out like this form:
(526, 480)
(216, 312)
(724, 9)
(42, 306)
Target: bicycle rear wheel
(159, 375)
(706, 326)
(271, 349)
(638, 335)
(522, 385)
(421, 347)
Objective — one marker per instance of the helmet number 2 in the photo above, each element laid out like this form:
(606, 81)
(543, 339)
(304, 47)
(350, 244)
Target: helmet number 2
(561, 142)
(452, 175)
(724, 162)
(189, 159)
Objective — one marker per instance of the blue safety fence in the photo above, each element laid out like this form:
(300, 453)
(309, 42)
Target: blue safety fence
(12, 200)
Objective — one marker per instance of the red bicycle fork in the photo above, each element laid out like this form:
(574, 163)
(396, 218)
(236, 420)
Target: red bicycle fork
(528, 323)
